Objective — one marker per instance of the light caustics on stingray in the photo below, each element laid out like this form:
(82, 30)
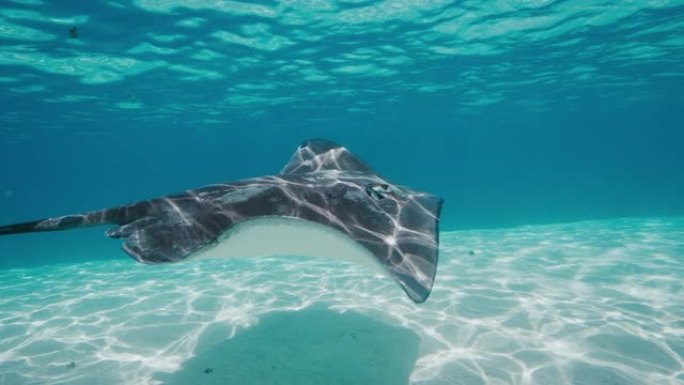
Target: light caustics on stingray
(324, 191)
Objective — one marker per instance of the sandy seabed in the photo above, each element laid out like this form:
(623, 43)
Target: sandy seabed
(598, 302)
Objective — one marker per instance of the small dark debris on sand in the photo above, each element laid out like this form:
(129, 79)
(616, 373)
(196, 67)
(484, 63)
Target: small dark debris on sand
(208, 370)
(73, 33)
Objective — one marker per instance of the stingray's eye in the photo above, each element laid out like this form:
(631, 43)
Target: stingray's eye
(377, 191)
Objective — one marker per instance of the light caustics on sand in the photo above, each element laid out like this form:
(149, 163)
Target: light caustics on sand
(580, 303)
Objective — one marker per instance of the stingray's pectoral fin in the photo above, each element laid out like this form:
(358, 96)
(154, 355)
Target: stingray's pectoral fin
(155, 240)
(411, 255)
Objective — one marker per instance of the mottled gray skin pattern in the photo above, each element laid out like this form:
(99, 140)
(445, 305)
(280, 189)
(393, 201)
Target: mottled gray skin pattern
(323, 183)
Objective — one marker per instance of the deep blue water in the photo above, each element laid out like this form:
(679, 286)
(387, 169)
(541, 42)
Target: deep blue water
(517, 113)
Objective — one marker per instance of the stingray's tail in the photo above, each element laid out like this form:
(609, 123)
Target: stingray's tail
(58, 223)
(117, 216)
(18, 228)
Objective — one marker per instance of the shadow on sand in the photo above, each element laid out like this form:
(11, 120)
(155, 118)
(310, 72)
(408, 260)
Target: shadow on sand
(313, 346)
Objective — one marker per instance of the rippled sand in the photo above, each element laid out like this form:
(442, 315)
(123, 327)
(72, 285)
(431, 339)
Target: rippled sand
(582, 303)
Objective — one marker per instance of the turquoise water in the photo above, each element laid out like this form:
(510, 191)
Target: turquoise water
(550, 128)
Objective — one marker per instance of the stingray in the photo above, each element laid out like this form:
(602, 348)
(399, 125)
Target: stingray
(325, 202)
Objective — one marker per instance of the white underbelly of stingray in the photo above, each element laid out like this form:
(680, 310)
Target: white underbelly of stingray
(281, 236)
